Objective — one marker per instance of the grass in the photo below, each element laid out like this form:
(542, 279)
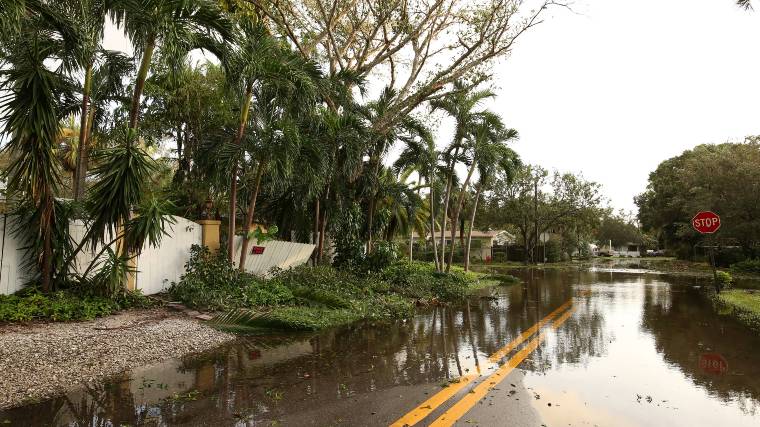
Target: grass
(742, 304)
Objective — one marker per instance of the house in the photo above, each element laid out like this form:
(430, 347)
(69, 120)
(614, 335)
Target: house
(629, 249)
(481, 244)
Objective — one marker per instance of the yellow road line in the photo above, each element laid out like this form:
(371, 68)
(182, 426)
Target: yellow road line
(428, 406)
(494, 358)
(480, 391)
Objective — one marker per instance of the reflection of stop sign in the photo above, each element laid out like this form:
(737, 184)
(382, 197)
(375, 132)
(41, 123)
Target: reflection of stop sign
(706, 222)
(713, 363)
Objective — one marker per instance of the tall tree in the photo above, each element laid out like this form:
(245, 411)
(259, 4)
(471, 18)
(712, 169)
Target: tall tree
(412, 40)
(89, 16)
(381, 142)
(535, 202)
(257, 60)
(104, 86)
(492, 157)
(173, 27)
(707, 177)
(419, 155)
(460, 104)
(35, 99)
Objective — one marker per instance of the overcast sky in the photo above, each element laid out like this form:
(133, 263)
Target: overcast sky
(620, 85)
(614, 87)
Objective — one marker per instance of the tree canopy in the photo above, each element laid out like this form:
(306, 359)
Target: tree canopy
(723, 178)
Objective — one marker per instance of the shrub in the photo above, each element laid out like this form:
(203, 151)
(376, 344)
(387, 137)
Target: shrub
(347, 230)
(553, 251)
(212, 282)
(728, 256)
(384, 254)
(747, 266)
(724, 279)
(420, 280)
(267, 293)
(64, 306)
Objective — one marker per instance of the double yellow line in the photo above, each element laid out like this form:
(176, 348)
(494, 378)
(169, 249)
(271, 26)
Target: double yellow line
(469, 400)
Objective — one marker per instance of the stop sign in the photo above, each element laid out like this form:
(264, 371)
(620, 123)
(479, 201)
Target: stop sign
(706, 222)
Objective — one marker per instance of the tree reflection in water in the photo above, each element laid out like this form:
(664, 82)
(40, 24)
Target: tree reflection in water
(268, 378)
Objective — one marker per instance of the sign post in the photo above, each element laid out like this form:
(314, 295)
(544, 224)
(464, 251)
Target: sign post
(707, 222)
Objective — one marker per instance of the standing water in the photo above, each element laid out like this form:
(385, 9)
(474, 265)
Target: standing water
(638, 350)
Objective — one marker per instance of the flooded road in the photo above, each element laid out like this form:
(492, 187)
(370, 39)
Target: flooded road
(566, 348)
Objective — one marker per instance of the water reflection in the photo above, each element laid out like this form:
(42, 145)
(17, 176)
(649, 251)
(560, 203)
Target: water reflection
(318, 379)
(694, 330)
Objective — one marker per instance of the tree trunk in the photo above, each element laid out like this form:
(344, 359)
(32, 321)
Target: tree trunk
(370, 218)
(85, 153)
(432, 222)
(457, 210)
(323, 225)
(244, 109)
(249, 217)
(446, 207)
(322, 235)
(371, 210)
(535, 219)
(78, 170)
(461, 231)
(179, 145)
(142, 75)
(47, 219)
(469, 232)
(315, 232)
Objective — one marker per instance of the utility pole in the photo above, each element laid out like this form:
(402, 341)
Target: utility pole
(535, 217)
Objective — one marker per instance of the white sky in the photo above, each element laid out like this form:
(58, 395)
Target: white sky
(616, 86)
(620, 85)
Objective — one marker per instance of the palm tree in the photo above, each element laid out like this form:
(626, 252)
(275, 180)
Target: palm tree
(342, 135)
(273, 144)
(405, 128)
(174, 27)
(459, 104)
(257, 59)
(419, 155)
(34, 101)
(89, 16)
(104, 86)
(746, 4)
(492, 156)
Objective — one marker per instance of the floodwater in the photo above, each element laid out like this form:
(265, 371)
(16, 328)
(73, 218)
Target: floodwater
(639, 350)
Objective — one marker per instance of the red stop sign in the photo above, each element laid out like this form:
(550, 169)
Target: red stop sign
(706, 222)
(713, 363)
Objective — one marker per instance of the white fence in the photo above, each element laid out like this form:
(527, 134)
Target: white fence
(276, 254)
(156, 267)
(11, 258)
